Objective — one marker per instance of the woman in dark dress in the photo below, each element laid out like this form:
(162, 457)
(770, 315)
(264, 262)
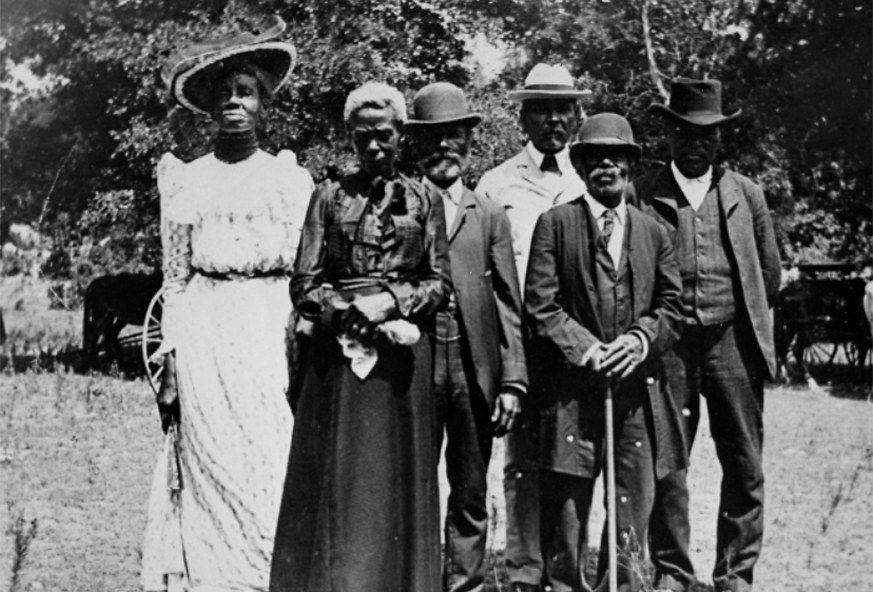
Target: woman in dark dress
(360, 510)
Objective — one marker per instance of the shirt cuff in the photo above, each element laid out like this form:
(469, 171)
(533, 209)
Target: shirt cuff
(642, 337)
(513, 388)
(588, 353)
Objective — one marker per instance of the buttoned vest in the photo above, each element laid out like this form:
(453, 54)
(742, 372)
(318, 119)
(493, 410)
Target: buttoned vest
(614, 287)
(709, 291)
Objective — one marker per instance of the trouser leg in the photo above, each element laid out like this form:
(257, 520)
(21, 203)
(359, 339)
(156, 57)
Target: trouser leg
(524, 562)
(565, 507)
(669, 525)
(734, 391)
(468, 450)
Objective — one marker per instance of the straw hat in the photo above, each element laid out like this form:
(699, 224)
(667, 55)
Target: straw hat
(438, 103)
(190, 74)
(548, 82)
(695, 101)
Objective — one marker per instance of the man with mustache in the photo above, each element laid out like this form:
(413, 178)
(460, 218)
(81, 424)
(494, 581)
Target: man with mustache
(527, 185)
(480, 374)
(602, 304)
(728, 258)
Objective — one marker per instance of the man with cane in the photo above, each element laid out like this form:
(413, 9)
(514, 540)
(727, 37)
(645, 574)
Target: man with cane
(602, 303)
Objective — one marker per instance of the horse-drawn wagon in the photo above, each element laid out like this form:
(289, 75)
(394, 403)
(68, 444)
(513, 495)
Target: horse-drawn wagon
(820, 322)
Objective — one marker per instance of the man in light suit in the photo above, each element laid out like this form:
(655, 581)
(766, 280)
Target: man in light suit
(479, 367)
(527, 185)
(729, 261)
(602, 304)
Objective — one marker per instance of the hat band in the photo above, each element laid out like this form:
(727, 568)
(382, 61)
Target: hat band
(561, 87)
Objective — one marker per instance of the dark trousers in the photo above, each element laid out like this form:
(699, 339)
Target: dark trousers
(565, 506)
(524, 561)
(464, 413)
(723, 363)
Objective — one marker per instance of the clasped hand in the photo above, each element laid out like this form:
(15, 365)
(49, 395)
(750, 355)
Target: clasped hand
(364, 314)
(618, 359)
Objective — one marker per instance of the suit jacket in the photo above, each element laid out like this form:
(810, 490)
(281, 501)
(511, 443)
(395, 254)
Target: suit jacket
(751, 237)
(487, 293)
(521, 188)
(561, 312)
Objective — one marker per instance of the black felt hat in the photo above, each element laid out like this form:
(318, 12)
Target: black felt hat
(697, 102)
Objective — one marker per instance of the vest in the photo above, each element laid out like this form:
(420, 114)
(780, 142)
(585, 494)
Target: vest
(614, 287)
(708, 289)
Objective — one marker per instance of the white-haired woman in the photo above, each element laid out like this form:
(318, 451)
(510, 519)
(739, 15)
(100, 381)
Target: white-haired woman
(231, 223)
(360, 508)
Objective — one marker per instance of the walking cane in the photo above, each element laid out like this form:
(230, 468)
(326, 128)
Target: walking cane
(612, 572)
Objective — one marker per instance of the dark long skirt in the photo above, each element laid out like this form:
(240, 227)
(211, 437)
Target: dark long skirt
(360, 509)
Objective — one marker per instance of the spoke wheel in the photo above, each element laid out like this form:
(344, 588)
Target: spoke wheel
(151, 340)
(819, 355)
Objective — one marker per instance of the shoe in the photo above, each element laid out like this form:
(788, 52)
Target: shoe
(524, 587)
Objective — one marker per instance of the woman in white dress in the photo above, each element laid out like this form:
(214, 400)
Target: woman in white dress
(230, 227)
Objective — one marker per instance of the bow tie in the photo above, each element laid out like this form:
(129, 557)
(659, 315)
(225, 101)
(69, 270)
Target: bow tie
(550, 164)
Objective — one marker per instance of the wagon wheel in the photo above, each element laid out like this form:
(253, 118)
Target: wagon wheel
(856, 355)
(819, 355)
(151, 340)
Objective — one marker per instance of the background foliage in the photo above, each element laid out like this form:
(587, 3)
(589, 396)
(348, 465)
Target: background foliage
(78, 149)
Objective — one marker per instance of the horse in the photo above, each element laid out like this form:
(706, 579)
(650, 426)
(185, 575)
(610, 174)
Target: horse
(111, 303)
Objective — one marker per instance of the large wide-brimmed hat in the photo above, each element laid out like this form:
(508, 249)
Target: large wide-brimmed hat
(438, 103)
(190, 74)
(548, 82)
(695, 101)
(605, 129)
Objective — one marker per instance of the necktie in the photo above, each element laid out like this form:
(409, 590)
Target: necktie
(608, 225)
(550, 164)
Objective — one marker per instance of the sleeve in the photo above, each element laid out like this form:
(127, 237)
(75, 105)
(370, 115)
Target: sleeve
(507, 295)
(175, 247)
(662, 323)
(765, 242)
(542, 304)
(296, 192)
(313, 298)
(420, 298)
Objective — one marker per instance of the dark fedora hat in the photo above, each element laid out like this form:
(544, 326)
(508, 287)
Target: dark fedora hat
(437, 103)
(190, 74)
(695, 101)
(605, 129)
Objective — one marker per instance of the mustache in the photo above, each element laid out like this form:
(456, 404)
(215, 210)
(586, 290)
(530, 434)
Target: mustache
(451, 156)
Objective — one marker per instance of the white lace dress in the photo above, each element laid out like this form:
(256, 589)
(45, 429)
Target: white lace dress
(230, 233)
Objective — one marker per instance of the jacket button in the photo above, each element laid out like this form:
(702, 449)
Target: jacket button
(570, 438)
(650, 380)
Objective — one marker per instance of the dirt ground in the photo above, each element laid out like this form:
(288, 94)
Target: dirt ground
(76, 453)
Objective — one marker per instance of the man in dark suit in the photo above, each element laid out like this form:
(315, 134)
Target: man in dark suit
(602, 304)
(729, 261)
(480, 373)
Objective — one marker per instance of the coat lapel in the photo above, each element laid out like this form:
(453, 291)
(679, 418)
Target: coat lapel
(588, 232)
(467, 203)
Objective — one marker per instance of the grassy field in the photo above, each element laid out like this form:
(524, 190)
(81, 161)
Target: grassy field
(77, 452)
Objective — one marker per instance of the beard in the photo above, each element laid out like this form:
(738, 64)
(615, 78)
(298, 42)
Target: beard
(445, 167)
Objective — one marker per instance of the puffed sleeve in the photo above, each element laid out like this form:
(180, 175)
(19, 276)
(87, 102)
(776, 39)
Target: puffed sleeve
(175, 245)
(295, 193)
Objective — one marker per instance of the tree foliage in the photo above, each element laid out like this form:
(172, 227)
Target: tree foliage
(79, 151)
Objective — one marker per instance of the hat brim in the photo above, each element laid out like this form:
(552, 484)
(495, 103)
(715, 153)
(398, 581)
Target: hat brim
(192, 87)
(473, 119)
(706, 119)
(517, 96)
(578, 148)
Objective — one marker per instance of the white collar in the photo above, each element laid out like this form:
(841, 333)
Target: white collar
(598, 208)
(562, 157)
(454, 191)
(705, 178)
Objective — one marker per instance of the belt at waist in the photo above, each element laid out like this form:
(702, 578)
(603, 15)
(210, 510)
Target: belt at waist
(232, 275)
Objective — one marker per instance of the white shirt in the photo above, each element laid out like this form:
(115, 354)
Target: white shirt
(616, 240)
(550, 178)
(695, 189)
(451, 199)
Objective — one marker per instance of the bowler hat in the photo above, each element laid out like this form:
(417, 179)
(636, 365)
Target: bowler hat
(440, 102)
(695, 101)
(547, 82)
(190, 73)
(605, 129)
